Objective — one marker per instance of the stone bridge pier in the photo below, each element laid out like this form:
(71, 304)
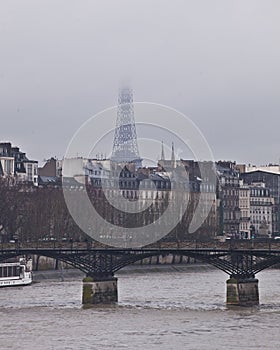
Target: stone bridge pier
(100, 290)
(242, 291)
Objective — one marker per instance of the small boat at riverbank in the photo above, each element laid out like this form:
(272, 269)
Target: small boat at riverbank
(16, 273)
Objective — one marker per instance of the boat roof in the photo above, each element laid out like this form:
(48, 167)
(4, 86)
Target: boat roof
(11, 264)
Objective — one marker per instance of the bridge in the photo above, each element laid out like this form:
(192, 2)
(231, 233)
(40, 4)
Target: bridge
(241, 261)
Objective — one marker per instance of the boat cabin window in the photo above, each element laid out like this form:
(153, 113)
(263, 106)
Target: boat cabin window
(10, 271)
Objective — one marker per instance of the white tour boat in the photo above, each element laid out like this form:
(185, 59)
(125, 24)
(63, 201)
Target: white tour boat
(16, 273)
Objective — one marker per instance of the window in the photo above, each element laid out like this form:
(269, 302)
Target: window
(8, 166)
(29, 172)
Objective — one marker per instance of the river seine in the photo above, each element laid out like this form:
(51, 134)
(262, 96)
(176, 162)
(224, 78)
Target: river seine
(170, 309)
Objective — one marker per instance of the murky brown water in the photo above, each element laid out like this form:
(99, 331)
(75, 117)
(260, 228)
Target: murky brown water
(159, 310)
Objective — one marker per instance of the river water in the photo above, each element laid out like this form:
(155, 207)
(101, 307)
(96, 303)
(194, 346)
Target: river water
(169, 309)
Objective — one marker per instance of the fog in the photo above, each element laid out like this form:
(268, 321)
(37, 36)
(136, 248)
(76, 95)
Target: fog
(215, 61)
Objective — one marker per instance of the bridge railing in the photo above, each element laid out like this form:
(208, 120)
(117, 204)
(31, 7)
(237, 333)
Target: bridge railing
(194, 244)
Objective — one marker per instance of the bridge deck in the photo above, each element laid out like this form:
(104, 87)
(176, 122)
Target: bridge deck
(243, 260)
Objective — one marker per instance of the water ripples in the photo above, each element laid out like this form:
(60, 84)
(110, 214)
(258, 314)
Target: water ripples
(155, 311)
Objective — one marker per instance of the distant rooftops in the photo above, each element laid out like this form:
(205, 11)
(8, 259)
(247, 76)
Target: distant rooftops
(6, 150)
(274, 169)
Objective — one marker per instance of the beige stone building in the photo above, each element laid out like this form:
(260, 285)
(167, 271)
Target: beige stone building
(244, 206)
(261, 210)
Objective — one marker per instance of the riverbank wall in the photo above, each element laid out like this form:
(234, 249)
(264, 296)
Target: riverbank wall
(70, 274)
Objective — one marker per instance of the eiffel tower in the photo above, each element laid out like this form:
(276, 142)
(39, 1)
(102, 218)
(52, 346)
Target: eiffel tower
(125, 147)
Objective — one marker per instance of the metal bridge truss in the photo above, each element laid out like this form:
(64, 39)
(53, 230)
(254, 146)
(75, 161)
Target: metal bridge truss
(103, 263)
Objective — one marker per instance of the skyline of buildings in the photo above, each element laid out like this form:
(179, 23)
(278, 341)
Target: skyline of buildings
(246, 201)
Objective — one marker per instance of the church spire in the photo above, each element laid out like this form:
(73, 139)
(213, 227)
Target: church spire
(173, 163)
(162, 151)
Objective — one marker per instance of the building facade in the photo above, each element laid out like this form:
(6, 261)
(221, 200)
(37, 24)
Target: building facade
(244, 206)
(14, 163)
(228, 189)
(271, 179)
(261, 210)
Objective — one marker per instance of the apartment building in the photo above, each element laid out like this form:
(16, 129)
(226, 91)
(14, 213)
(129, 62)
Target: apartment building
(14, 163)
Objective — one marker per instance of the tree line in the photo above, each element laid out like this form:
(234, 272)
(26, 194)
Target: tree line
(31, 214)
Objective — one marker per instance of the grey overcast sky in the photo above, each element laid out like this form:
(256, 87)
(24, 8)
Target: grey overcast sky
(218, 62)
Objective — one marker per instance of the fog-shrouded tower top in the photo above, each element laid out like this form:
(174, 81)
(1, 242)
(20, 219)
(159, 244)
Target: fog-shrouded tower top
(125, 147)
